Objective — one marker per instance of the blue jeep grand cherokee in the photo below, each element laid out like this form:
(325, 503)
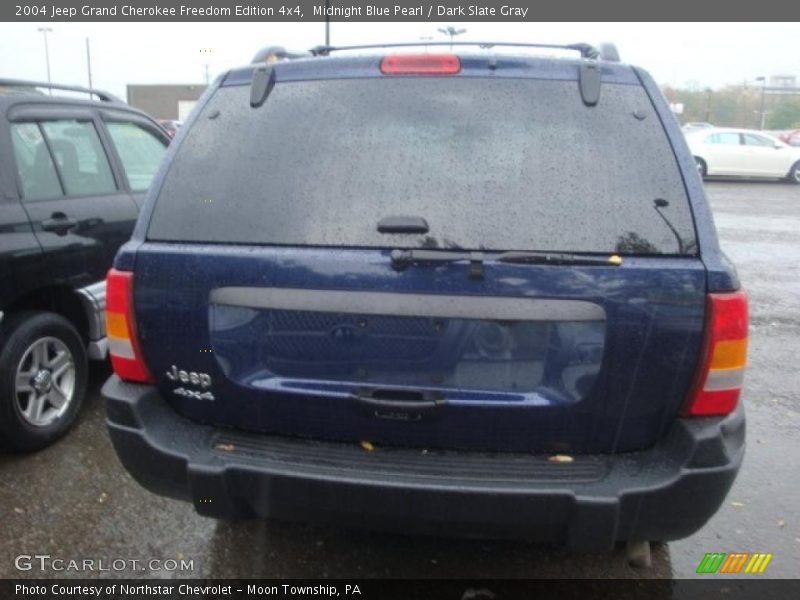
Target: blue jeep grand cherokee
(477, 294)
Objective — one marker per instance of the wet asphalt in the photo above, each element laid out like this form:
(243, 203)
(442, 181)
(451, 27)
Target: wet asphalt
(75, 501)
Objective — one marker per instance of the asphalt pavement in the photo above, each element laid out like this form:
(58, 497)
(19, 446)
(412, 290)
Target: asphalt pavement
(75, 501)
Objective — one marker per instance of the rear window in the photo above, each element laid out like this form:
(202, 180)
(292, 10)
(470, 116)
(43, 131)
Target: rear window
(496, 164)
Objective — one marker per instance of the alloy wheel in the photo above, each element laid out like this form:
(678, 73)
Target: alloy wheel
(44, 385)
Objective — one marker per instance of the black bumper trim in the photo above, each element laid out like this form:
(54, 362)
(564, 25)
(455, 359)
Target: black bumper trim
(663, 493)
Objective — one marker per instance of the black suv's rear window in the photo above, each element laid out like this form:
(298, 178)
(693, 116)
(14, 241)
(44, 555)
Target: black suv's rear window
(489, 163)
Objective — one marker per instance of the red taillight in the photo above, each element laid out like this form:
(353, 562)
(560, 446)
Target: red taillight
(420, 64)
(718, 382)
(123, 345)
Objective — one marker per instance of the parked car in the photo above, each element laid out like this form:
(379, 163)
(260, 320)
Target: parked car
(792, 138)
(170, 126)
(743, 153)
(477, 295)
(697, 125)
(73, 174)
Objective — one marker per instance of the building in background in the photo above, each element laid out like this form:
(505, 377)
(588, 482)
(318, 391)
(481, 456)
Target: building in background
(783, 81)
(173, 102)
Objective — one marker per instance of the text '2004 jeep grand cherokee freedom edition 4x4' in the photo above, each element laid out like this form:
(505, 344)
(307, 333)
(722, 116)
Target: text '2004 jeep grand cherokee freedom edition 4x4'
(499, 270)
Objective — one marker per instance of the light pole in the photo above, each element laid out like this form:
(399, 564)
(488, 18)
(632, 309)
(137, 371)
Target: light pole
(206, 52)
(45, 31)
(89, 62)
(452, 32)
(763, 81)
(327, 23)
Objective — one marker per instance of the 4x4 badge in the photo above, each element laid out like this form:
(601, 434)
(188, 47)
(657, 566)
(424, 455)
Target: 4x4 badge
(193, 394)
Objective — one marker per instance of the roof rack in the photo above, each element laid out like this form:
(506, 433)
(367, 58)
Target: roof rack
(103, 96)
(607, 52)
(270, 54)
(589, 75)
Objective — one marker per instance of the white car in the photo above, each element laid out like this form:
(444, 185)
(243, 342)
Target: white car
(697, 125)
(743, 153)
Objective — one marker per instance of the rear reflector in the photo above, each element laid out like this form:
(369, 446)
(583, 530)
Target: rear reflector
(123, 346)
(420, 64)
(719, 379)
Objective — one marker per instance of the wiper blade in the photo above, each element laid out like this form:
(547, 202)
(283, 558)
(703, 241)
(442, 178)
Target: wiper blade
(404, 258)
(549, 258)
(401, 259)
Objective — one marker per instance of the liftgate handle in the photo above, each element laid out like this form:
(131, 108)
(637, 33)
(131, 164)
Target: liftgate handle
(400, 404)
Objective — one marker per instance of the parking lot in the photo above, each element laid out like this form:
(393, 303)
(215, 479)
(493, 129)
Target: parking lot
(75, 501)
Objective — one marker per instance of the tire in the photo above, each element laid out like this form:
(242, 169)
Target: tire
(794, 173)
(702, 168)
(43, 379)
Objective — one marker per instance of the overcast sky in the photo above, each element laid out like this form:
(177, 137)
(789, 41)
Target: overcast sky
(710, 55)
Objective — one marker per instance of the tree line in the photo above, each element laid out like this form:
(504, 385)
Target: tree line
(737, 106)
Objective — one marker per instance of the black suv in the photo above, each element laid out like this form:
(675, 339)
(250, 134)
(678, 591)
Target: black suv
(73, 172)
(476, 293)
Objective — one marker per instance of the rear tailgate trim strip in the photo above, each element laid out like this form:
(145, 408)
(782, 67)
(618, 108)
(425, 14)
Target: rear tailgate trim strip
(408, 305)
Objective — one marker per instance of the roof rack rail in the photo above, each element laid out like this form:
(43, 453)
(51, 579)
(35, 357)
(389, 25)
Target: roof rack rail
(585, 50)
(608, 52)
(103, 96)
(270, 54)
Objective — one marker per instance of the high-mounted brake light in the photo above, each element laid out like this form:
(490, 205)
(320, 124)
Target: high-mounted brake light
(123, 345)
(420, 64)
(718, 381)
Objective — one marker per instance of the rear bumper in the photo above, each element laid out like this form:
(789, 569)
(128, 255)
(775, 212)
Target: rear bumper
(663, 493)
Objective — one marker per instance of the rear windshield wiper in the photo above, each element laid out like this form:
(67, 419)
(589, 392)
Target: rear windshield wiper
(401, 259)
(549, 258)
(404, 258)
